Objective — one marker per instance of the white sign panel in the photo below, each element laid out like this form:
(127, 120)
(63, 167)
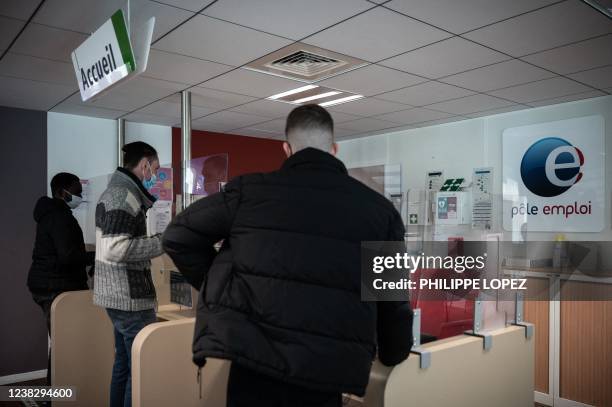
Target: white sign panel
(105, 58)
(553, 176)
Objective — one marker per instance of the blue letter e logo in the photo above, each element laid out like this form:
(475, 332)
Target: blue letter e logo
(551, 166)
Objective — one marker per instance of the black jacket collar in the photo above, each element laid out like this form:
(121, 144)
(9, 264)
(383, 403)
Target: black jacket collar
(138, 184)
(314, 159)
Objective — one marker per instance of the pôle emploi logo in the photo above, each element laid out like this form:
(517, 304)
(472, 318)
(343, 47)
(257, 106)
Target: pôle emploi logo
(550, 167)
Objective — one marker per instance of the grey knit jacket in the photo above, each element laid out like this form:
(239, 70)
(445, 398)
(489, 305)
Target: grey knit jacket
(123, 250)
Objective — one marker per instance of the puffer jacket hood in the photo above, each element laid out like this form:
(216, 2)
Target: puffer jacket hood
(45, 205)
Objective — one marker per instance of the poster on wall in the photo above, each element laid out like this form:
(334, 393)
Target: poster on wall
(209, 174)
(553, 176)
(162, 190)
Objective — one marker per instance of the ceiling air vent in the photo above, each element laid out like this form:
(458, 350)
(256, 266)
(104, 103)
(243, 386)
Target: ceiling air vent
(305, 63)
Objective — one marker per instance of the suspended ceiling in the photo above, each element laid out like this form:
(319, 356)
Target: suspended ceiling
(428, 61)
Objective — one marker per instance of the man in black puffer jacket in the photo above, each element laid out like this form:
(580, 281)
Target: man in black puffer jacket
(59, 257)
(281, 299)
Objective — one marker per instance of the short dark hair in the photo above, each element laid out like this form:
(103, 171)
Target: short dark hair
(62, 181)
(309, 117)
(136, 151)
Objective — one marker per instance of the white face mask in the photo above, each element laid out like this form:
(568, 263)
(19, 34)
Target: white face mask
(75, 200)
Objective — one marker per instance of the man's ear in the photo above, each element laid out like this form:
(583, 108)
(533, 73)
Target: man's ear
(287, 149)
(141, 167)
(334, 149)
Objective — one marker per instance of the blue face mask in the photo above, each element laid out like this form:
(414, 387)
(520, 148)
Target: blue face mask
(149, 183)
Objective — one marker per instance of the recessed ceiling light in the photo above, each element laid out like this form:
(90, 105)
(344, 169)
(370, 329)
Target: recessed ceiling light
(315, 97)
(341, 100)
(293, 91)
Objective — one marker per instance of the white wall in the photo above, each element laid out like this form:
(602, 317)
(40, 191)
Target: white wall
(160, 137)
(87, 147)
(459, 147)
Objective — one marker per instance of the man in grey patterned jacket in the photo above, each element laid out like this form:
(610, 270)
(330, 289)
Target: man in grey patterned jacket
(123, 283)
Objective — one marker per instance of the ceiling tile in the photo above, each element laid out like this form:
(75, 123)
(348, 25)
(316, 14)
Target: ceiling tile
(253, 132)
(251, 83)
(368, 124)
(377, 34)
(170, 108)
(148, 118)
(498, 76)
(568, 98)
(445, 58)
(149, 87)
(87, 110)
(233, 120)
(217, 100)
(451, 119)
(340, 133)
(288, 18)
(267, 108)
(180, 68)
(497, 111)
(470, 104)
(88, 16)
(368, 107)
(559, 24)
(340, 117)
(201, 124)
(48, 42)
(119, 101)
(29, 94)
(137, 93)
(272, 126)
(599, 78)
(461, 16)
(545, 89)
(425, 94)
(38, 69)
(371, 80)
(413, 116)
(9, 28)
(214, 40)
(191, 5)
(575, 57)
(19, 9)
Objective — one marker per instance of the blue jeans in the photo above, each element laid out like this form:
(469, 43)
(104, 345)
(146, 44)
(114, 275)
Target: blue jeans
(126, 325)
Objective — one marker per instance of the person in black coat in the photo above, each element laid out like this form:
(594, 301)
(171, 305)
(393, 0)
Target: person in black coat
(59, 258)
(281, 299)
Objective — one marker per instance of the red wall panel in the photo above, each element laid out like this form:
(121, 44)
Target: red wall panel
(246, 154)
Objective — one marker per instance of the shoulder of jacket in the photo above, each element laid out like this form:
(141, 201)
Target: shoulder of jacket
(116, 197)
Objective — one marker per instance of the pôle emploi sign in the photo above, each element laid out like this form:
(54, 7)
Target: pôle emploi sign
(105, 58)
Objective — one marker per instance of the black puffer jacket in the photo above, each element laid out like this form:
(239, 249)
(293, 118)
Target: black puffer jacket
(59, 257)
(282, 296)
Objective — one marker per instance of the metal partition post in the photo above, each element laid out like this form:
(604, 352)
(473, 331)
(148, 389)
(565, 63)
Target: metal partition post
(186, 143)
(487, 339)
(519, 306)
(424, 354)
(120, 141)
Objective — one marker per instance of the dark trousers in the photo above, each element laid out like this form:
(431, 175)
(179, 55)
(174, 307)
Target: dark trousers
(44, 301)
(126, 325)
(247, 388)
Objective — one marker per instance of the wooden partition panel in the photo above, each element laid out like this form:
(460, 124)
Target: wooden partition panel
(585, 345)
(463, 374)
(163, 373)
(538, 313)
(83, 348)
